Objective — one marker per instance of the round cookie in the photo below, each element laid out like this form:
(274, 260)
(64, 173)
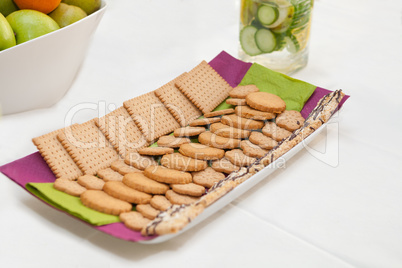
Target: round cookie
(160, 202)
(123, 168)
(240, 92)
(167, 175)
(204, 121)
(200, 151)
(139, 161)
(238, 158)
(155, 151)
(121, 191)
(180, 199)
(266, 102)
(277, 133)
(172, 141)
(69, 187)
(240, 122)
(134, 220)
(140, 182)
(229, 132)
(183, 163)
(262, 140)
(102, 202)
(188, 131)
(248, 112)
(147, 211)
(224, 165)
(210, 139)
(207, 177)
(252, 150)
(190, 189)
(290, 120)
(220, 112)
(236, 102)
(91, 182)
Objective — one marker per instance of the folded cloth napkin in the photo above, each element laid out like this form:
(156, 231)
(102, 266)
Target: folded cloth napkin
(33, 174)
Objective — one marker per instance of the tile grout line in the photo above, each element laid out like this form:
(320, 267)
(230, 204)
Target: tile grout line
(325, 252)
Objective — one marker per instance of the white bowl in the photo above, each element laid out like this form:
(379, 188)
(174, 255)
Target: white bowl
(38, 73)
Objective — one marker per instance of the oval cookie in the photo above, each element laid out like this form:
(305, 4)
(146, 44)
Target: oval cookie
(167, 175)
(210, 139)
(201, 151)
(180, 162)
(277, 133)
(140, 182)
(102, 202)
(207, 177)
(266, 102)
(240, 122)
(121, 191)
(229, 132)
(241, 92)
(248, 112)
(290, 120)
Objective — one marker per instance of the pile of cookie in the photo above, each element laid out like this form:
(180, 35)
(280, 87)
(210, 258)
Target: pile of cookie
(108, 161)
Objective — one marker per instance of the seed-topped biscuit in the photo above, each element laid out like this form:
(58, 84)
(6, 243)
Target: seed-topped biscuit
(69, 187)
(207, 177)
(238, 158)
(102, 202)
(205, 88)
(88, 147)
(240, 122)
(142, 183)
(200, 151)
(56, 156)
(151, 116)
(91, 182)
(248, 112)
(134, 220)
(183, 110)
(240, 92)
(190, 189)
(121, 131)
(274, 131)
(262, 140)
(183, 163)
(224, 165)
(236, 102)
(160, 202)
(139, 161)
(167, 175)
(180, 199)
(155, 151)
(266, 102)
(252, 150)
(172, 141)
(219, 112)
(290, 120)
(210, 139)
(188, 131)
(121, 191)
(123, 168)
(204, 121)
(229, 132)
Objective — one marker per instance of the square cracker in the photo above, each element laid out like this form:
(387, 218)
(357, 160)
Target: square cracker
(183, 110)
(151, 116)
(204, 87)
(88, 147)
(121, 131)
(56, 156)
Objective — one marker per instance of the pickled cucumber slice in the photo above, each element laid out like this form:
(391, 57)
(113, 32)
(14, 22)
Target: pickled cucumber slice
(248, 41)
(291, 44)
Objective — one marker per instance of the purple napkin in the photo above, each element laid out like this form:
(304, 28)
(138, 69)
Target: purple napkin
(33, 168)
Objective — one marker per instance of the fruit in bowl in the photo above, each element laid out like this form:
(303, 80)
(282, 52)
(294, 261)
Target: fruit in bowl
(48, 64)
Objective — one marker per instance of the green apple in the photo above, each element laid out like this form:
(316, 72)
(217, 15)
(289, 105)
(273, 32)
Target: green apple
(29, 24)
(7, 38)
(7, 7)
(89, 6)
(67, 14)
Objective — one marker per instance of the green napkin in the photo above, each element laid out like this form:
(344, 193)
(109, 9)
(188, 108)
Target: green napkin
(70, 204)
(294, 92)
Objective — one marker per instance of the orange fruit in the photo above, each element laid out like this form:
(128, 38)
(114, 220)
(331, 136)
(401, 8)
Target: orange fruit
(44, 6)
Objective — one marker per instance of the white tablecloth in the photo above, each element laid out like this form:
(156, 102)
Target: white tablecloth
(337, 203)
